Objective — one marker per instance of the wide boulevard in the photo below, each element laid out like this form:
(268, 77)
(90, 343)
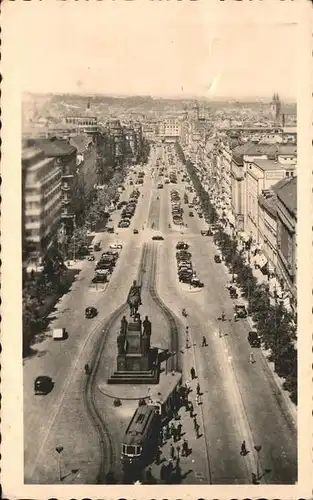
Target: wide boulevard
(240, 400)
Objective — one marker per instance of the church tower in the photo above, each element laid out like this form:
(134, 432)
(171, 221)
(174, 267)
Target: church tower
(275, 108)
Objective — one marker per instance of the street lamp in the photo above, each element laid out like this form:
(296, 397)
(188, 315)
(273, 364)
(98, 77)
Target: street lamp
(258, 449)
(59, 450)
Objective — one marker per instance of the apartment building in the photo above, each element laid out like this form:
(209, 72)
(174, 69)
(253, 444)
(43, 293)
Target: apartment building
(287, 236)
(42, 200)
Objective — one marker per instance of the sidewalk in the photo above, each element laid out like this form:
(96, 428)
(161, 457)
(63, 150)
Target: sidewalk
(292, 408)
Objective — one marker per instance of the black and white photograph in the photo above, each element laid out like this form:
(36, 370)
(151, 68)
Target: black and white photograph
(158, 168)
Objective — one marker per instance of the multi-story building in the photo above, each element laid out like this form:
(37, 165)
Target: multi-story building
(42, 200)
(286, 237)
(260, 175)
(150, 130)
(131, 148)
(86, 161)
(268, 222)
(65, 156)
(169, 129)
(116, 130)
(84, 124)
(241, 157)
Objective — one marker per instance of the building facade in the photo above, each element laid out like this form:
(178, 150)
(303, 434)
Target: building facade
(42, 200)
(65, 156)
(260, 176)
(287, 236)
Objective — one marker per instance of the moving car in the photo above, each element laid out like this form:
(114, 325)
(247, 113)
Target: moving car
(158, 237)
(206, 232)
(90, 312)
(181, 245)
(160, 186)
(241, 311)
(43, 384)
(91, 257)
(217, 259)
(135, 231)
(116, 246)
(191, 214)
(196, 283)
(254, 339)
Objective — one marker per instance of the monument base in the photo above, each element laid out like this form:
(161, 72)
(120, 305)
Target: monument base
(136, 369)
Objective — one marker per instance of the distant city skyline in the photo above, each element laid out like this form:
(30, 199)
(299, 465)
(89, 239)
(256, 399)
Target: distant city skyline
(185, 58)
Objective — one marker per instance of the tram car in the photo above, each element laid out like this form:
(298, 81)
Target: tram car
(140, 438)
(142, 434)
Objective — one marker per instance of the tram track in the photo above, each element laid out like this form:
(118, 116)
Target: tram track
(173, 323)
(106, 446)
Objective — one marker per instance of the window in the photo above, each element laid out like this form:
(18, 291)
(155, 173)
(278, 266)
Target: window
(131, 450)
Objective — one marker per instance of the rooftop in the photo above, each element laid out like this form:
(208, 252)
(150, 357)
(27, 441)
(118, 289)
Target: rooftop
(80, 142)
(53, 147)
(268, 164)
(287, 194)
(268, 200)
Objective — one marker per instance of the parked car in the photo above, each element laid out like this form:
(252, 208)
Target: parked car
(206, 232)
(254, 339)
(116, 246)
(110, 229)
(217, 259)
(100, 278)
(90, 312)
(123, 223)
(157, 237)
(43, 384)
(240, 310)
(91, 257)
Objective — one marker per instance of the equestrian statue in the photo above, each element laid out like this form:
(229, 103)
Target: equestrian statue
(134, 298)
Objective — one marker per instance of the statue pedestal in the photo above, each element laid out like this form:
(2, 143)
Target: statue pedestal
(136, 363)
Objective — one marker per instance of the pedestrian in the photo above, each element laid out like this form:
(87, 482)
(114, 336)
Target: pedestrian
(251, 359)
(187, 385)
(178, 452)
(223, 316)
(191, 409)
(193, 373)
(197, 429)
(235, 317)
(158, 456)
(161, 437)
(243, 450)
(198, 389)
(175, 434)
(198, 399)
(172, 430)
(163, 472)
(149, 476)
(179, 429)
(167, 432)
(172, 452)
(195, 423)
(185, 448)
(204, 342)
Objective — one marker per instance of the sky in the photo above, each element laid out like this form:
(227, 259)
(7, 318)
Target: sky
(126, 50)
